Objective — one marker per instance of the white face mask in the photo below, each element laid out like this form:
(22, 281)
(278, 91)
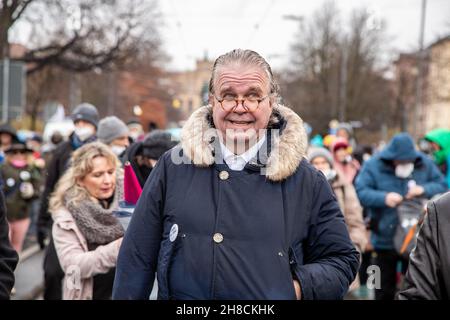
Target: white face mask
(134, 135)
(404, 170)
(330, 174)
(84, 133)
(117, 150)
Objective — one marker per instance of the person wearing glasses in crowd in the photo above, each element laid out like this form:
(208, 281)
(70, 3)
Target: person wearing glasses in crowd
(235, 211)
(21, 185)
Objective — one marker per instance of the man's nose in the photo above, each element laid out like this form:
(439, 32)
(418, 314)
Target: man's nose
(240, 107)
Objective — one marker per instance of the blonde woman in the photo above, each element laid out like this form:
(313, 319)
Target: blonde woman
(87, 236)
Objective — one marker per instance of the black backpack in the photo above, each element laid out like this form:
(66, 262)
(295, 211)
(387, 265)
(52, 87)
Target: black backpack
(410, 215)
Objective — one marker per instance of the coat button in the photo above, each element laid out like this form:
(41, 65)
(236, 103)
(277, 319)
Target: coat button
(218, 237)
(223, 175)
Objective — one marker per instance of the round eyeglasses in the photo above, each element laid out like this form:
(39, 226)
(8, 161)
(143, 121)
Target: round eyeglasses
(229, 103)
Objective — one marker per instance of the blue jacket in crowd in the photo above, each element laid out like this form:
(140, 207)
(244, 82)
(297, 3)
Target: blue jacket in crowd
(377, 178)
(212, 233)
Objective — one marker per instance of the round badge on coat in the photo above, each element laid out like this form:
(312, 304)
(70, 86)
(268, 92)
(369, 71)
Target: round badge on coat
(25, 175)
(10, 182)
(173, 233)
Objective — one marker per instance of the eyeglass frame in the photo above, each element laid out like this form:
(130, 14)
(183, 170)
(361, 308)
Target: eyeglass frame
(243, 105)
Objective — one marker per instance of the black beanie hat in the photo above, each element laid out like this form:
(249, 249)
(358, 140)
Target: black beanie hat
(156, 143)
(86, 112)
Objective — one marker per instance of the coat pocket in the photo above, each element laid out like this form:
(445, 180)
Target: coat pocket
(295, 259)
(168, 248)
(287, 289)
(296, 256)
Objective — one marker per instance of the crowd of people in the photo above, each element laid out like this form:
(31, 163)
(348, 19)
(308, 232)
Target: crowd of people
(243, 206)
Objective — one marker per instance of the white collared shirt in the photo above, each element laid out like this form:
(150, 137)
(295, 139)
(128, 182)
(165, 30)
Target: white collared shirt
(238, 162)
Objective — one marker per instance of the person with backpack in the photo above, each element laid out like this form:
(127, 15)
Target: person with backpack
(395, 174)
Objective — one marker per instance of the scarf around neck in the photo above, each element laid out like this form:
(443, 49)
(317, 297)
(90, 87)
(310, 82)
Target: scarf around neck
(98, 225)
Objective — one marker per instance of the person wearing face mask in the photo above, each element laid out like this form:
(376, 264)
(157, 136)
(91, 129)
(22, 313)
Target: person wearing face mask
(22, 181)
(114, 132)
(85, 118)
(345, 193)
(396, 173)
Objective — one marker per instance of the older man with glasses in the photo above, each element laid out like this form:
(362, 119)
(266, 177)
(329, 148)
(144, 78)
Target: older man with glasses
(235, 211)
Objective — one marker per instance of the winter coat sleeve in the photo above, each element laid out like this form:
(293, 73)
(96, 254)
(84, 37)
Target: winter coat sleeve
(436, 181)
(365, 185)
(354, 218)
(330, 259)
(72, 255)
(422, 279)
(138, 256)
(8, 256)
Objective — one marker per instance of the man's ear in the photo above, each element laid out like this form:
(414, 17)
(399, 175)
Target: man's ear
(211, 99)
(272, 101)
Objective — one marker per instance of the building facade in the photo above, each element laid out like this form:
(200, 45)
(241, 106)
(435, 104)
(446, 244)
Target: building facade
(434, 110)
(190, 88)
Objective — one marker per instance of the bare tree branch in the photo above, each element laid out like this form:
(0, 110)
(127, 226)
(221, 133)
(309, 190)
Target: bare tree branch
(18, 14)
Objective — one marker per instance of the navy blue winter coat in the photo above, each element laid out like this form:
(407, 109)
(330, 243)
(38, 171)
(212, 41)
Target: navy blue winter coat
(241, 234)
(377, 178)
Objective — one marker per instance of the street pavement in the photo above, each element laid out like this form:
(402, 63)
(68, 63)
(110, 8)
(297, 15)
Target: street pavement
(29, 275)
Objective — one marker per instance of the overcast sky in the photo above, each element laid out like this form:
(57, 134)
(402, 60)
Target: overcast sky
(193, 27)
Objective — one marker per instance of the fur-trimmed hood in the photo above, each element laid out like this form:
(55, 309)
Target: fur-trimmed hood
(286, 151)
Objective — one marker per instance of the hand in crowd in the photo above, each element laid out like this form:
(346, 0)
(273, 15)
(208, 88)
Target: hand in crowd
(298, 292)
(415, 191)
(393, 199)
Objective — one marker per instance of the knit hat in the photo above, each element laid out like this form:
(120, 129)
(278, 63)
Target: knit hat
(156, 143)
(86, 112)
(111, 128)
(339, 143)
(320, 152)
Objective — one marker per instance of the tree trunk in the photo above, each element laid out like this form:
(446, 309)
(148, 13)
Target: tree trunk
(5, 24)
